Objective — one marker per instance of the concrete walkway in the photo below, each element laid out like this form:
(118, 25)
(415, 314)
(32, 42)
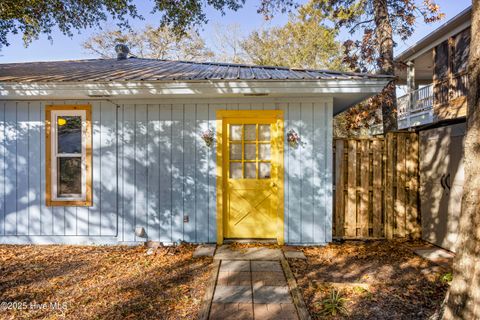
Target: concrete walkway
(254, 287)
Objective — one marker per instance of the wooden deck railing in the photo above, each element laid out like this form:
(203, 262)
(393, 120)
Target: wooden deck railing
(432, 102)
(415, 108)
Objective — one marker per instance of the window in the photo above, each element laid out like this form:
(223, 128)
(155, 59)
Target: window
(250, 151)
(441, 61)
(68, 155)
(461, 51)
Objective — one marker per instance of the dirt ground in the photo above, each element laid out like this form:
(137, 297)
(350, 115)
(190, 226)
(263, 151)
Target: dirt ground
(380, 280)
(80, 282)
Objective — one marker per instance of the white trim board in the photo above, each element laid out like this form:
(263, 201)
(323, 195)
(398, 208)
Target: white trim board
(345, 92)
(60, 239)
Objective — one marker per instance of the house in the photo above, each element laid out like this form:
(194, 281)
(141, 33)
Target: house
(436, 74)
(120, 151)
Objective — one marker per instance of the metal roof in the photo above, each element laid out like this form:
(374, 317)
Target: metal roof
(139, 69)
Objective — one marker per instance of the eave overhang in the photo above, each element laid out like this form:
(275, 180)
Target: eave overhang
(348, 92)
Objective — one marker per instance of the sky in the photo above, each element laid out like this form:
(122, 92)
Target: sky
(65, 48)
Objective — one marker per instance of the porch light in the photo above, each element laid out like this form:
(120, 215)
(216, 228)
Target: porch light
(61, 122)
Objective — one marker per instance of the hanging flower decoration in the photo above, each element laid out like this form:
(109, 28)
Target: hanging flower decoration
(209, 137)
(294, 139)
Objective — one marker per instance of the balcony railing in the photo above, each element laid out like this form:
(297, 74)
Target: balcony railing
(415, 108)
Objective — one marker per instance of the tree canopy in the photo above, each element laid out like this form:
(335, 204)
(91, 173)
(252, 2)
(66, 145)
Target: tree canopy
(150, 42)
(34, 17)
(305, 41)
(378, 21)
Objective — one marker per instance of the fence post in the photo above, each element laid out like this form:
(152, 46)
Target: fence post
(351, 207)
(400, 205)
(390, 165)
(339, 188)
(364, 187)
(413, 226)
(377, 187)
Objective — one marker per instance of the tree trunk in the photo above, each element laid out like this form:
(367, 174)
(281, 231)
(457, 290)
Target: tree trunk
(386, 63)
(464, 295)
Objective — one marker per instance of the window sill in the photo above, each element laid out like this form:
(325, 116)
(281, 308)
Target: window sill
(80, 203)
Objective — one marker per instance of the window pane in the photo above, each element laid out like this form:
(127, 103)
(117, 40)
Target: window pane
(69, 134)
(264, 170)
(69, 175)
(250, 133)
(462, 50)
(441, 60)
(250, 170)
(264, 132)
(250, 151)
(235, 151)
(235, 132)
(264, 151)
(235, 170)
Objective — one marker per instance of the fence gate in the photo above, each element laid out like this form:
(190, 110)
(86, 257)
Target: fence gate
(376, 187)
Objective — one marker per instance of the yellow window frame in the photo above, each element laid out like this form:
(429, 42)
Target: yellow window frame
(88, 156)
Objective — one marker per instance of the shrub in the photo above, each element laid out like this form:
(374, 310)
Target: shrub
(334, 304)
(447, 277)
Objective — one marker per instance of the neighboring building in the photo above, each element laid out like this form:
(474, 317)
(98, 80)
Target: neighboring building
(436, 76)
(125, 150)
(435, 72)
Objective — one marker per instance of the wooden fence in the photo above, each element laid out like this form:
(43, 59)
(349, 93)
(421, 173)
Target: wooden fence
(376, 187)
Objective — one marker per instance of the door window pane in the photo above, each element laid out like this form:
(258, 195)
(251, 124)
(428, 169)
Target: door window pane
(264, 132)
(235, 151)
(250, 132)
(69, 175)
(264, 170)
(250, 170)
(235, 132)
(264, 151)
(235, 170)
(69, 135)
(250, 151)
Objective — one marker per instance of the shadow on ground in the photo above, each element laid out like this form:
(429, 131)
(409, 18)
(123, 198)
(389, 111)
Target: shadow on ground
(380, 279)
(102, 282)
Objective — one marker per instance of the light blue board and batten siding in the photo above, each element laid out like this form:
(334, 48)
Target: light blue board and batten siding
(162, 170)
(24, 218)
(185, 169)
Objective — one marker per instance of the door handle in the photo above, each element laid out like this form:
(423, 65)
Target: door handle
(273, 184)
(447, 181)
(441, 181)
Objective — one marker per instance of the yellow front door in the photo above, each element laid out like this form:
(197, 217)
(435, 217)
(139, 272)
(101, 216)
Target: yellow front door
(253, 175)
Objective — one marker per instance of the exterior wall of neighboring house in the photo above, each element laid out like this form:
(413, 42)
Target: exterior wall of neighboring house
(436, 75)
(450, 77)
(151, 169)
(444, 97)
